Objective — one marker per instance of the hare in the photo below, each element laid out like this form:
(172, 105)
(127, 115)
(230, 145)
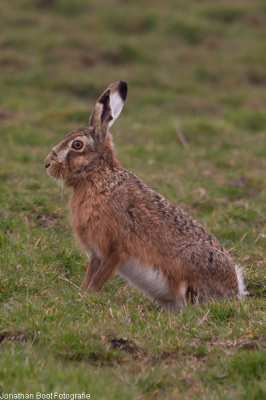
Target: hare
(132, 230)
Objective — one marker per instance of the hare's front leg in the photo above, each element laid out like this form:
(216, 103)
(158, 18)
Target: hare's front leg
(99, 272)
(91, 270)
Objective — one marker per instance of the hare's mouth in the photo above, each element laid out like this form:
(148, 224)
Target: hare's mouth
(56, 170)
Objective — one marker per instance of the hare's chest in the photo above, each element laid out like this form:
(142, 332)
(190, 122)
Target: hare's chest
(86, 222)
(146, 279)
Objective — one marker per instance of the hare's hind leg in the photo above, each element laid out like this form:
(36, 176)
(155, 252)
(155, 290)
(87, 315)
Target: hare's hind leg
(212, 274)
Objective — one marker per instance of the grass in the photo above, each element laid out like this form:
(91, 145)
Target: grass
(196, 65)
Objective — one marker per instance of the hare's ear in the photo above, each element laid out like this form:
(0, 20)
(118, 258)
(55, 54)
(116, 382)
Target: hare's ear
(107, 109)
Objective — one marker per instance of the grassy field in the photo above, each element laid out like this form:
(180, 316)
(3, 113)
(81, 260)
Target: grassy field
(192, 66)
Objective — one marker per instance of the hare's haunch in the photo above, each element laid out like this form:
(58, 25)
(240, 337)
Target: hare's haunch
(132, 230)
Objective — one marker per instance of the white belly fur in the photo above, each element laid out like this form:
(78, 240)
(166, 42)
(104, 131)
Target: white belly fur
(146, 279)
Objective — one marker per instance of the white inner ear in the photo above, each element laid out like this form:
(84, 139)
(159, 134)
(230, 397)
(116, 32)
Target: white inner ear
(116, 105)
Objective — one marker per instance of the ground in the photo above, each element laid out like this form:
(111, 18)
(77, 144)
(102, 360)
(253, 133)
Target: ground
(193, 127)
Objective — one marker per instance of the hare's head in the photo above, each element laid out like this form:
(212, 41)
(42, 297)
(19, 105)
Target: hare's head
(71, 158)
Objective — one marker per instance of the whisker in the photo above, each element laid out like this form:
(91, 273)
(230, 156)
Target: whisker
(62, 184)
(59, 182)
(52, 178)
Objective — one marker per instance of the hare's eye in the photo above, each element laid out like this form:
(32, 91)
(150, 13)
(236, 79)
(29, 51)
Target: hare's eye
(77, 145)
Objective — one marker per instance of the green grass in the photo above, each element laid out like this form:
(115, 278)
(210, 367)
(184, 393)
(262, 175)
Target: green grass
(195, 66)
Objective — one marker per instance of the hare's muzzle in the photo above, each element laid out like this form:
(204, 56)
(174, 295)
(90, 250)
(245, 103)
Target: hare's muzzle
(53, 167)
(47, 161)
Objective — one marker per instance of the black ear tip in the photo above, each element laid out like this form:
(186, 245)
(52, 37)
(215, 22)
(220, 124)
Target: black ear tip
(123, 90)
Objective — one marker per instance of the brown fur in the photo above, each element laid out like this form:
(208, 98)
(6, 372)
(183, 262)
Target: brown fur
(117, 218)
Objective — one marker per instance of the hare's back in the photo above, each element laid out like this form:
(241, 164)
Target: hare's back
(162, 217)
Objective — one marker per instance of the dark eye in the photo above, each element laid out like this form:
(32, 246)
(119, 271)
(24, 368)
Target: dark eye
(77, 145)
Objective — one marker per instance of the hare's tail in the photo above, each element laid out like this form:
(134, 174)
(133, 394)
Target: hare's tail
(242, 292)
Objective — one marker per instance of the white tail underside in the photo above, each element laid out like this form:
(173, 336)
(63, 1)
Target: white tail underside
(241, 285)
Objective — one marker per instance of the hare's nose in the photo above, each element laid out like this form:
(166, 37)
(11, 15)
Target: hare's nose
(47, 165)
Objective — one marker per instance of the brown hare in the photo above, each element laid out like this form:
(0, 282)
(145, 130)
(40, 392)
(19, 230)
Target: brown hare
(132, 230)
